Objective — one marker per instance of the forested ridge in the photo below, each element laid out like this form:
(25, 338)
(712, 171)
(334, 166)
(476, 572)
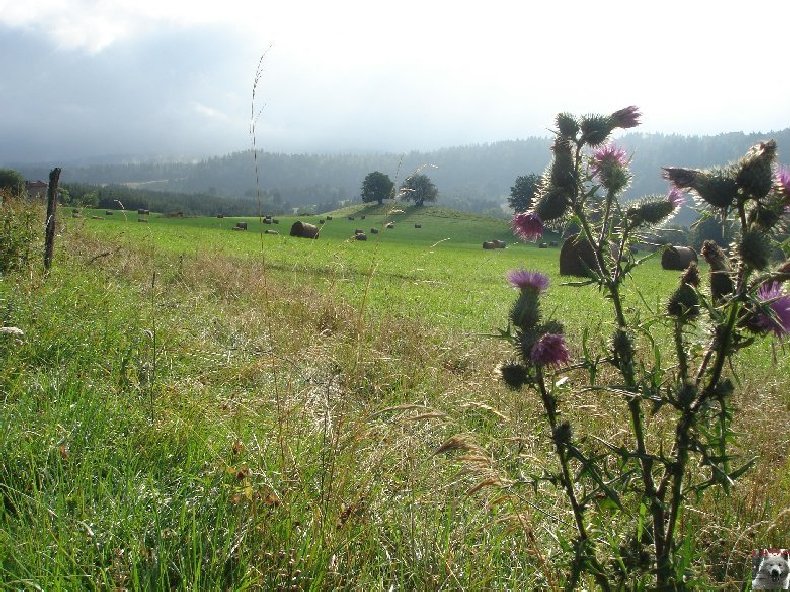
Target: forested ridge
(473, 177)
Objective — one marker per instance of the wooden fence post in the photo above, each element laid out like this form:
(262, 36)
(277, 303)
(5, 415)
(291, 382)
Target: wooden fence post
(49, 228)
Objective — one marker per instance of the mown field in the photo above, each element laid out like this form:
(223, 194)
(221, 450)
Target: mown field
(196, 408)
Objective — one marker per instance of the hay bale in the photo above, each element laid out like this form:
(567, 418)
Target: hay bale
(389, 225)
(543, 246)
(677, 257)
(270, 231)
(275, 221)
(329, 217)
(374, 231)
(499, 244)
(577, 257)
(220, 215)
(351, 217)
(97, 218)
(418, 226)
(304, 230)
(142, 212)
(241, 226)
(359, 231)
(321, 221)
(489, 245)
(108, 213)
(361, 236)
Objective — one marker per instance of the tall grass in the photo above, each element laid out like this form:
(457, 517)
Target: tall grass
(300, 404)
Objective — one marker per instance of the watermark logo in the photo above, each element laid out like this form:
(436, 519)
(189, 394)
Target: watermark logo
(771, 569)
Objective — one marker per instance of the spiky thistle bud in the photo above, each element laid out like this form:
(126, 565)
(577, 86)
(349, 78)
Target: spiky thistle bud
(720, 280)
(567, 125)
(552, 203)
(717, 187)
(768, 212)
(562, 172)
(755, 175)
(684, 302)
(608, 164)
(686, 394)
(650, 210)
(525, 312)
(513, 374)
(595, 129)
(754, 249)
(783, 271)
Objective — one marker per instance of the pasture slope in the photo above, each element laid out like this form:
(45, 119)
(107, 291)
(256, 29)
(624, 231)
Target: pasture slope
(196, 408)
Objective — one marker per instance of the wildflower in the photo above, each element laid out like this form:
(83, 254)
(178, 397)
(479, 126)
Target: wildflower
(527, 225)
(528, 280)
(550, 350)
(608, 164)
(606, 157)
(778, 318)
(782, 179)
(676, 198)
(754, 173)
(626, 117)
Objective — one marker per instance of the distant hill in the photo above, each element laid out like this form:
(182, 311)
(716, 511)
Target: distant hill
(472, 178)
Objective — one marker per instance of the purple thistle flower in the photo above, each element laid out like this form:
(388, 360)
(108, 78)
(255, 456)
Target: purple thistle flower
(676, 198)
(783, 181)
(527, 225)
(550, 350)
(627, 117)
(779, 303)
(606, 157)
(528, 280)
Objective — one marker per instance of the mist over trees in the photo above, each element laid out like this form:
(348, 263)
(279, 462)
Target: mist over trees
(473, 178)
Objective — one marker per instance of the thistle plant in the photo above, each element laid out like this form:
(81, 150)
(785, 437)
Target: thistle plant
(648, 480)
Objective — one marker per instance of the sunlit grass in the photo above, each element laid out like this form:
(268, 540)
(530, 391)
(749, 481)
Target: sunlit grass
(299, 392)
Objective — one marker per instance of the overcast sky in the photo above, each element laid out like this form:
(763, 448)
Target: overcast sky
(82, 78)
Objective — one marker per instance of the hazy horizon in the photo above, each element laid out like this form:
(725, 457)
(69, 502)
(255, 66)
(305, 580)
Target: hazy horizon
(172, 80)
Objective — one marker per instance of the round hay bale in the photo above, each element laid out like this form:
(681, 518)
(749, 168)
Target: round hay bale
(389, 225)
(577, 257)
(374, 231)
(109, 213)
(489, 245)
(304, 230)
(329, 217)
(359, 231)
(677, 258)
(361, 236)
(270, 231)
(499, 244)
(241, 225)
(220, 215)
(418, 226)
(321, 221)
(275, 221)
(543, 246)
(351, 217)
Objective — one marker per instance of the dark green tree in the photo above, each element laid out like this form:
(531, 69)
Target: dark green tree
(523, 192)
(12, 181)
(419, 189)
(376, 187)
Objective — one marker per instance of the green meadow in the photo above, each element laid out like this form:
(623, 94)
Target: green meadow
(192, 407)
